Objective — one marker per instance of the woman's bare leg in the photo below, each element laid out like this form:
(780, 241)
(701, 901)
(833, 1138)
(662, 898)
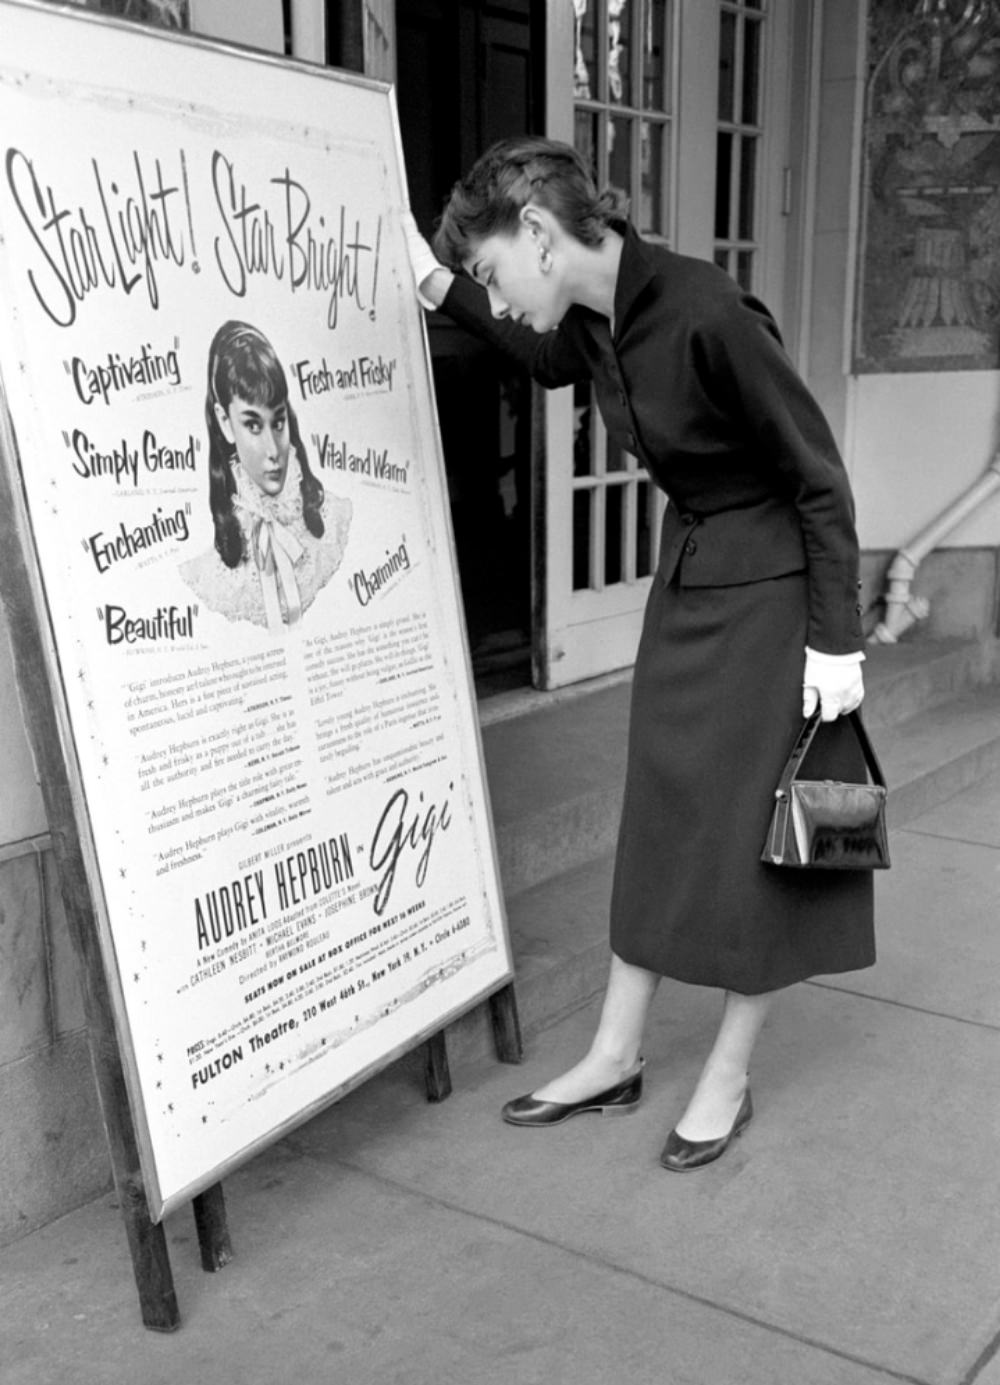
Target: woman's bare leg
(716, 1099)
(613, 1055)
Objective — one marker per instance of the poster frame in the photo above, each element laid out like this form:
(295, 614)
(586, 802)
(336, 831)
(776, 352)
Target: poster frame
(79, 817)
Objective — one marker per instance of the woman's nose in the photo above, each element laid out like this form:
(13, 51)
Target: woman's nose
(498, 306)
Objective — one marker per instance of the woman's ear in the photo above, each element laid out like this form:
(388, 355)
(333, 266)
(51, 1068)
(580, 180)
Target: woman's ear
(534, 220)
(222, 418)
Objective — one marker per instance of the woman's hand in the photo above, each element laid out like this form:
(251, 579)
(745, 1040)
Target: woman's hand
(834, 682)
(430, 278)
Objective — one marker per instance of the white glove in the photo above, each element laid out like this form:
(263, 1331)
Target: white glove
(834, 682)
(423, 261)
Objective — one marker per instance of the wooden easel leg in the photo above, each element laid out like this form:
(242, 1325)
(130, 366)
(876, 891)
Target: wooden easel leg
(209, 1210)
(506, 1025)
(437, 1074)
(147, 1243)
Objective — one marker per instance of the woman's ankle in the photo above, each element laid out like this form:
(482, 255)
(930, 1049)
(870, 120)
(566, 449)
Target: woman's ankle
(623, 1060)
(593, 1074)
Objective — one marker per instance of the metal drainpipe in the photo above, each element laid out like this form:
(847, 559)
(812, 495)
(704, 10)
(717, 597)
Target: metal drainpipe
(902, 608)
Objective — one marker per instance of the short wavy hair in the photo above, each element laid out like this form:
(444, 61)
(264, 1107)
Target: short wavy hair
(513, 172)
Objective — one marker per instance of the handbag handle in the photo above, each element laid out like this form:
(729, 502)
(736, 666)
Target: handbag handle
(805, 740)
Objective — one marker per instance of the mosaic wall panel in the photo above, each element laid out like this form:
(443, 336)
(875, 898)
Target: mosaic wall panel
(929, 272)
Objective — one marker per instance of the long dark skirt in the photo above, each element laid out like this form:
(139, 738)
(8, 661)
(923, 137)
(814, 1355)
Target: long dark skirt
(716, 707)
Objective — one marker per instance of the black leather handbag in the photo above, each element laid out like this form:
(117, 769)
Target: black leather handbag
(824, 824)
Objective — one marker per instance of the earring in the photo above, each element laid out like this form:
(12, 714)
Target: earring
(545, 259)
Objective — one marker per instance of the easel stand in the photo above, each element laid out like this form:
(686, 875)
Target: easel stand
(506, 1041)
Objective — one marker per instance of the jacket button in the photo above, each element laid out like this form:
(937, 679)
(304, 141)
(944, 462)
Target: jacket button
(690, 547)
(859, 610)
(687, 519)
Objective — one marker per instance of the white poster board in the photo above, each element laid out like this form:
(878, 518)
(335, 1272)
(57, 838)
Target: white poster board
(217, 376)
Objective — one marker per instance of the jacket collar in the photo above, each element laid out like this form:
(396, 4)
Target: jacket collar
(635, 271)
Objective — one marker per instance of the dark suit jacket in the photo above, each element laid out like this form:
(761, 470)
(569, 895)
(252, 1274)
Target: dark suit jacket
(696, 383)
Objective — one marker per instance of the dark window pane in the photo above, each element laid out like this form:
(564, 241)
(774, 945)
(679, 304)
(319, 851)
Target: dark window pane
(727, 66)
(654, 55)
(744, 269)
(748, 187)
(722, 259)
(619, 52)
(583, 449)
(585, 139)
(723, 177)
(616, 458)
(751, 72)
(585, 70)
(620, 153)
(652, 212)
(613, 555)
(643, 530)
(581, 539)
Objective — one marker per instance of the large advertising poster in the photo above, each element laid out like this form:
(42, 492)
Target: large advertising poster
(217, 376)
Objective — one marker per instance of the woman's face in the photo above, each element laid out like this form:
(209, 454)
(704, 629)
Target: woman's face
(510, 269)
(260, 436)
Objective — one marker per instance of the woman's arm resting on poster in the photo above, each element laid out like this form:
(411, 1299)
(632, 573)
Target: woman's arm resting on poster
(430, 278)
(551, 358)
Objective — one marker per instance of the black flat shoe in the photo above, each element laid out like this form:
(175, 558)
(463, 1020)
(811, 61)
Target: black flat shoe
(682, 1155)
(620, 1100)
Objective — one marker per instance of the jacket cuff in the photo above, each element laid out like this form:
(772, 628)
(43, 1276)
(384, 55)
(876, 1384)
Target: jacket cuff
(856, 658)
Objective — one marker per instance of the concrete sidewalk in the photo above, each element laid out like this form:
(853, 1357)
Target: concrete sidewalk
(850, 1237)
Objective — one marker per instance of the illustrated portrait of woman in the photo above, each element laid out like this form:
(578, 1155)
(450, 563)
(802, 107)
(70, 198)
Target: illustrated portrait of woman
(279, 537)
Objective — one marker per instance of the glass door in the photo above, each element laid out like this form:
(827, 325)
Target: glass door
(683, 104)
(614, 97)
(624, 125)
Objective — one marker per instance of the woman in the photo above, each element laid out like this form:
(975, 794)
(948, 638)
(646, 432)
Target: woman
(752, 618)
(274, 549)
